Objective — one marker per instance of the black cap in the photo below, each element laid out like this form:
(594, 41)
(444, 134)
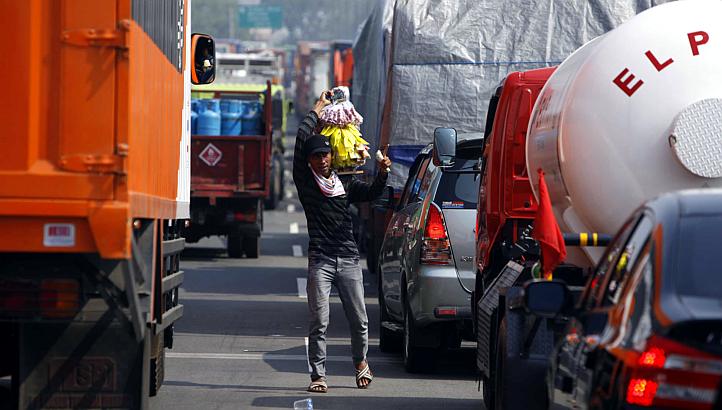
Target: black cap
(317, 143)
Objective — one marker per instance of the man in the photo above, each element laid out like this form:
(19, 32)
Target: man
(333, 258)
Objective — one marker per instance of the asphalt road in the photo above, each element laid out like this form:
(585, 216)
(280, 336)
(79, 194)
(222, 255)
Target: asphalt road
(241, 342)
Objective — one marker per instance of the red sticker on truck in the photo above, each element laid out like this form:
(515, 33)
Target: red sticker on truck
(59, 235)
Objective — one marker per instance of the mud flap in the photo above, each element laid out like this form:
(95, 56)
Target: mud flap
(524, 357)
(89, 365)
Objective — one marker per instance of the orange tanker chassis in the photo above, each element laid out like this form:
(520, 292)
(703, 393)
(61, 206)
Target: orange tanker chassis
(93, 189)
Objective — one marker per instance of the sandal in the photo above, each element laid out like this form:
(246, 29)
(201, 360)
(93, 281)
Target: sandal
(364, 374)
(318, 386)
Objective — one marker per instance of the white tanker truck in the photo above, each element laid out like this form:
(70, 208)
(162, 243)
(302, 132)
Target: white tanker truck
(630, 115)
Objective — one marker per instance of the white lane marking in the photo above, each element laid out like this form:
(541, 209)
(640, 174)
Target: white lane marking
(272, 357)
(289, 194)
(291, 208)
(305, 340)
(293, 227)
(297, 251)
(301, 283)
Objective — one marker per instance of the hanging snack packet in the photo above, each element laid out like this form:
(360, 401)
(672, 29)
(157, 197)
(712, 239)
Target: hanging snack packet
(341, 121)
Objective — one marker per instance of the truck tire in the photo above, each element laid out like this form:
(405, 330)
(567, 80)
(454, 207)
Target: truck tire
(519, 382)
(275, 190)
(416, 359)
(252, 246)
(157, 365)
(235, 245)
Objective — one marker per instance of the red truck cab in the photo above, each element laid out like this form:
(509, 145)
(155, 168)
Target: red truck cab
(506, 203)
(505, 213)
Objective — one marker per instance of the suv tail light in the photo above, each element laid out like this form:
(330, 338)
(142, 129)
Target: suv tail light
(672, 375)
(435, 247)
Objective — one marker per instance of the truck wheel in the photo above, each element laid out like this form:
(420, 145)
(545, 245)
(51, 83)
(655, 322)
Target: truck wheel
(157, 365)
(416, 359)
(252, 246)
(275, 190)
(235, 247)
(487, 392)
(515, 375)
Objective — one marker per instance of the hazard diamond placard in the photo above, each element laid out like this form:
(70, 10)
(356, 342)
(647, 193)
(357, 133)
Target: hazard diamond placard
(211, 155)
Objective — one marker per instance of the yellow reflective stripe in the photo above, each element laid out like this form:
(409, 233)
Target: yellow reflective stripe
(583, 238)
(595, 238)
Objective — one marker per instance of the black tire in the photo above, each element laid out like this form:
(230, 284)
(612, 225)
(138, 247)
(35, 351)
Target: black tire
(157, 365)
(235, 245)
(519, 383)
(389, 341)
(252, 247)
(416, 359)
(487, 392)
(276, 189)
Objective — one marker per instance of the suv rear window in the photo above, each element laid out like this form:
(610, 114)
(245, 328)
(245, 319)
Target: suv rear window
(697, 269)
(459, 191)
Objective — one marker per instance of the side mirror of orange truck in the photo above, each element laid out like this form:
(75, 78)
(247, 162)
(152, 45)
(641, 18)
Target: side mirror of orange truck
(203, 59)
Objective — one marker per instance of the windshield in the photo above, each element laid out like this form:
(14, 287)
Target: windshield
(459, 191)
(698, 272)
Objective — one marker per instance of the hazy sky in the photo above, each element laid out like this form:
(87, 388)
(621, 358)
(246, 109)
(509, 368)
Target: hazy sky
(302, 19)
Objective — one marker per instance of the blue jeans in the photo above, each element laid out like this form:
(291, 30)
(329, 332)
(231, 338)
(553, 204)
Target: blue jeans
(345, 273)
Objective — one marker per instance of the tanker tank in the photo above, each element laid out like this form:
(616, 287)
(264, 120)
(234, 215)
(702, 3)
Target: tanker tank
(632, 114)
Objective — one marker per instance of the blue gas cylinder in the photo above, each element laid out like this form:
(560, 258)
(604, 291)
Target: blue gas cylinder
(197, 106)
(225, 104)
(194, 116)
(252, 121)
(230, 117)
(194, 123)
(209, 120)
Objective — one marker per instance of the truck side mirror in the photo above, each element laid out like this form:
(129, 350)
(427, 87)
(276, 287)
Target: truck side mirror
(547, 298)
(444, 146)
(203, 59)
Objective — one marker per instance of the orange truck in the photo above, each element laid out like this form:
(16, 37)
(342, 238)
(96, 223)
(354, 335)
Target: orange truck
(94, 190)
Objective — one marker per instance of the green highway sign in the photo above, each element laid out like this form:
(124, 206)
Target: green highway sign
(260, 17)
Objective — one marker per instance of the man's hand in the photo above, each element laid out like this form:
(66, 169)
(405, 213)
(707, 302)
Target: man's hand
(322, 102)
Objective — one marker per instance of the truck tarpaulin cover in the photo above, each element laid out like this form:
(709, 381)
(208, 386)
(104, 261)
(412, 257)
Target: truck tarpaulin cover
(422, 64)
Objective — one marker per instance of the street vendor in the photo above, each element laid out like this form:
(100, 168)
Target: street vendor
(333, 258)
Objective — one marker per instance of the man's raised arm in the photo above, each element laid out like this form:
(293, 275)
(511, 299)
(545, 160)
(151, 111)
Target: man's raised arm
(305, 130)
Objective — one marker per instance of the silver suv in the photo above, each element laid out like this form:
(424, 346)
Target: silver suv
(426, 267)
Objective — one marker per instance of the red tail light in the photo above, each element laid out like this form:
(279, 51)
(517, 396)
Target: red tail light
(59, 298)
(435, 247)
(641, 392)
(652, 357)
(672, 375)
(49, 298)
